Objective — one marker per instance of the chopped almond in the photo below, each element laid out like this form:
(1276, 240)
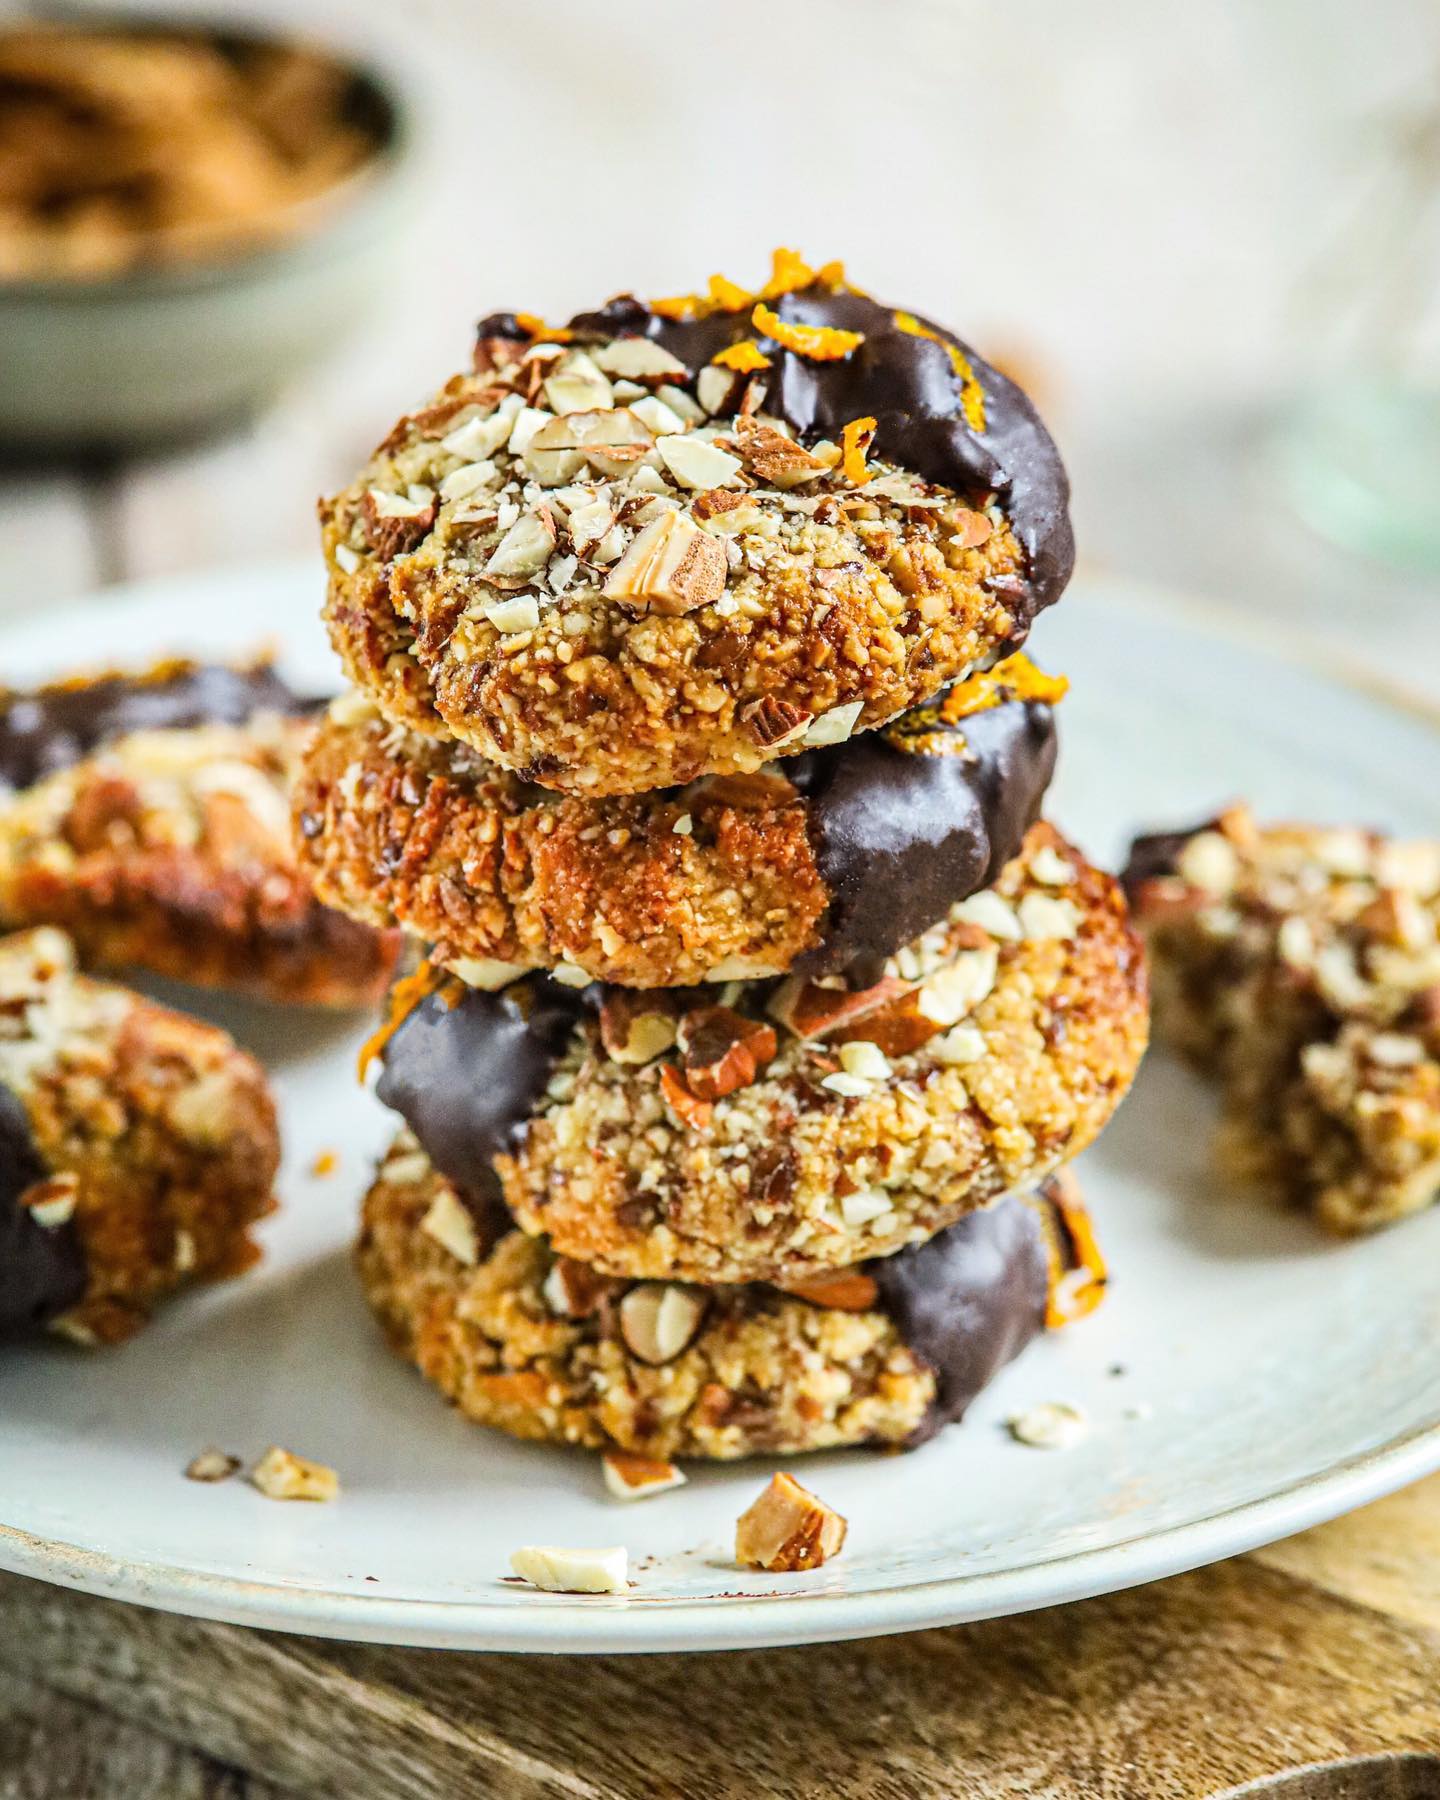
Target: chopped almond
(787, 1528)
(722, 1050)
(847, 1290)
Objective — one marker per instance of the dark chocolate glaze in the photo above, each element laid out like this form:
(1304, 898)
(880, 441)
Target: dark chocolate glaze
(1157, 853)
(56, 727)
(909, 385)
(968, 1300)
(42, 1268)
(466, 1077)
(900, 836)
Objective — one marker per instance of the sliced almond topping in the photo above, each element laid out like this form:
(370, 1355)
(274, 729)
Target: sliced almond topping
(639, 359)
(394, 524)
(715, 502)
(697, 464)
(578, 385)
(525, 548)
(713, 387)
(835, 726)
(722, 1050)
(658, 1320)
(449, 1223)
(281, 1475)
(971, 528)
(958, 987)
(631, 1477)
(672, 567)
(773, 456)
(787, 1528)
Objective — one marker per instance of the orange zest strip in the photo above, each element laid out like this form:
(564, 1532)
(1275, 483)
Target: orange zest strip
(744, 356)
(727, 295)
(854, 442)
(1016, 678)
(539, 332)
(403, 998)
(832, 275)
(679, 306)
(788, 271)
(972, 395)
(1076, 1292)
(821, 343)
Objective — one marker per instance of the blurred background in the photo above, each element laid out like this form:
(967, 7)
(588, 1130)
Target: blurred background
(1207, 237)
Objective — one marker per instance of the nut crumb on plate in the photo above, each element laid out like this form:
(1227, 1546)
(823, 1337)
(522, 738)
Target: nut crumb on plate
(281, 1475)
(211, 1465)
(630, 1477)
(787, 1528)
(1052, 1425)
(573, 1571)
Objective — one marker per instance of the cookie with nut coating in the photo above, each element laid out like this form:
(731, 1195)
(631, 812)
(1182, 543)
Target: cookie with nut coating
(137, 1148)
(147, 815)
(827, 862)
(651, 546)
(542, 1347)
(784, 1128)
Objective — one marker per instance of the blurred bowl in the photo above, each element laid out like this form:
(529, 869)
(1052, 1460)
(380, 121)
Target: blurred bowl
(165, 353)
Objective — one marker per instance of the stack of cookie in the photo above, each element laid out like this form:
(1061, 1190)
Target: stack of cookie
(692, 736)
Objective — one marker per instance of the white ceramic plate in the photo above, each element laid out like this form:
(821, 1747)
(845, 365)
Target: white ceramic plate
(1247, 1377)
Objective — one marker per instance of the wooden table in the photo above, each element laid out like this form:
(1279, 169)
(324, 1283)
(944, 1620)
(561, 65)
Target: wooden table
(1322, 1647)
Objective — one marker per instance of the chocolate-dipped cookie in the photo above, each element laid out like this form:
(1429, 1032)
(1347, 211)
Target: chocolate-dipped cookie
(137, 1147)
(774, 1129)
(826, 863)
(687, 538)
(147, 815)
(543, 1347)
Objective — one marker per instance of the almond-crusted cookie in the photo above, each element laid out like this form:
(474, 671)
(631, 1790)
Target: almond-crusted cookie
(775, 1129)
(137, 1147)
(1302, 965)
(542, 1347)
(826, 862)
(689, 537)
(148, 816)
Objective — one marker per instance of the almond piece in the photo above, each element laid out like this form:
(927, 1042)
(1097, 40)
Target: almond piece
(393, 524)
(639, 359)
(847, 1290)
(773, 456)
(887, 1015)
(722, 1050)
(772, 722)
(714, 502)
(787, 1528)
(672, 567)
(281, 1475)
(573, 1290)
(756, 792)
(448, 1223)
(525, 548)
(559, 1571)
(211, 1465)
(697, 464)
(636, 1026)
(631, 1477)
(658, 1319)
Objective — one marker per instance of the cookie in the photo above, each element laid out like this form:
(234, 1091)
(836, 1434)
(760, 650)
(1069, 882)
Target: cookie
(542, 1347)
(825, 863)
(1301, 964)
(148, 817)
(137, 1147)
(687, 538)
(776, 1129)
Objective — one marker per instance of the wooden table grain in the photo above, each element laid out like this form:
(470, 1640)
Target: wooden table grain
(1323, 1647)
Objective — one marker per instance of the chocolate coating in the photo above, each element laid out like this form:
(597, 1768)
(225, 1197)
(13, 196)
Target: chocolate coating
(901, 835)
(56, 727)
(1157, 853)
(909, 385)
(42, 1268)
(968, 1300)
(466, 1078)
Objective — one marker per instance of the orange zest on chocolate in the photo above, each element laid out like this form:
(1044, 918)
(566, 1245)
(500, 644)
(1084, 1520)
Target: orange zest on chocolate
(541, 333)
(1016, 678)
(788, 271)
(746, 356)
(404, 997)
(1076, 1292)
(727, 295)
(854, 442)
(820, 343)
(972, 395)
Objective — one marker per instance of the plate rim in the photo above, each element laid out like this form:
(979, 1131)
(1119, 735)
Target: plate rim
(637, 1623)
